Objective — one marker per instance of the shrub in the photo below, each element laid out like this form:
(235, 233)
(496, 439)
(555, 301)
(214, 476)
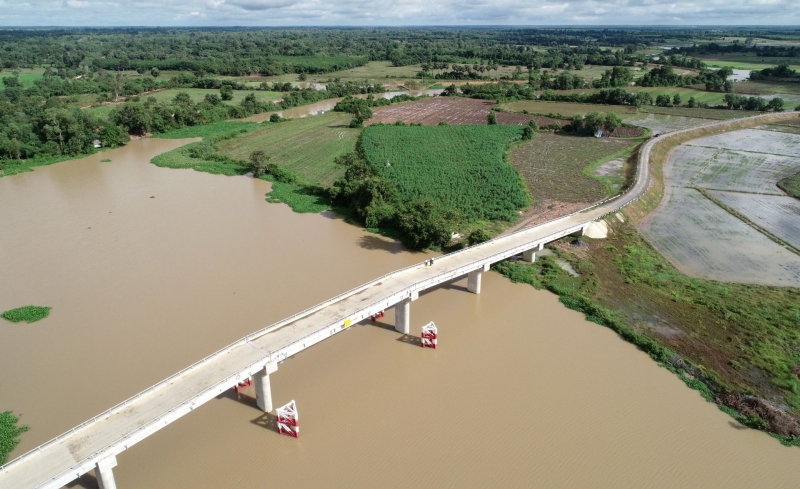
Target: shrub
(29, 314)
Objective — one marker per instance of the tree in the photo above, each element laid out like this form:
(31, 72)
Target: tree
(527, 133)
(491, 119)
(113, 136)
(226, 92)
(727, 85)
(361, 111)
(301, 77)
(212, 99)
(676, 99)
(155, 72)
(477, 237)
(594, 121)
(258, 163)
(611, 122)
(424, 225)
(274, 118)
(663, 100)
(775, 105)
(692, 103)
(533, 125)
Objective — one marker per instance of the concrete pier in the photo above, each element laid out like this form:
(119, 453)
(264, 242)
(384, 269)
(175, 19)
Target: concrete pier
(104, 474)
(474, 279)
(262, 387)
(402, 316)
(530, 255)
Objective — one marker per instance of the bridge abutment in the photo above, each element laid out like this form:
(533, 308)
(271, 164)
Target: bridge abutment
(262, 387)
(105, 475)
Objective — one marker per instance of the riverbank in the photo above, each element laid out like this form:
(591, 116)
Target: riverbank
(734, 343)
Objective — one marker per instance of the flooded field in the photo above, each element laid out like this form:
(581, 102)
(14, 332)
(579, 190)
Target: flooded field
(778, 214)
(149, 269)
(703, 239)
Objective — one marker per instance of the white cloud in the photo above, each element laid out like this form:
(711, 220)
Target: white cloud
(409, 12)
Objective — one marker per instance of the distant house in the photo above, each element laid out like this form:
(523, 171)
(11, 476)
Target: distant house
(97, 143)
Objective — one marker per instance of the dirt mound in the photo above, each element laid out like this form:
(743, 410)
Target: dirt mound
(777, 420)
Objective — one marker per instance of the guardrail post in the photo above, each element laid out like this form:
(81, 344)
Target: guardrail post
(105, 476)
(262, 386)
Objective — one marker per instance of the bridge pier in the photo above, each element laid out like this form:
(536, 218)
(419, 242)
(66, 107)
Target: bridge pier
(104, 474)
(530, 255)
(474, 279)
(402, 314)
(580, 233)
(262, 386)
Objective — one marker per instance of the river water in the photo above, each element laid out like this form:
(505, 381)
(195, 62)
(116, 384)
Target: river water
(150, 269)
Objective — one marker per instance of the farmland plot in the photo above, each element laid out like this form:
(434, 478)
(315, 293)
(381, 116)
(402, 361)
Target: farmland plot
(778, 214)
(754, 140)
(742, 171)
(661, 123)
(703, 240)
(451, 110)
(685, 163)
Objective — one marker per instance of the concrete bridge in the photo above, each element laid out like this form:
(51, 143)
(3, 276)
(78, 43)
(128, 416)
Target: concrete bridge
(94, 444)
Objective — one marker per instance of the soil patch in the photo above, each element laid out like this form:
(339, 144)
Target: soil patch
(451, 110)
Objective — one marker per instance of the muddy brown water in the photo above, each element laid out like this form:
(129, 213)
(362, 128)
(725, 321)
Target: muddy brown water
(522, 392)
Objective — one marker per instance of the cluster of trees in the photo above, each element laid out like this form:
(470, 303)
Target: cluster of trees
(665, 76)
(740, 102)
(738, 47)
(374, 200)
(593, 122)
(780, 71)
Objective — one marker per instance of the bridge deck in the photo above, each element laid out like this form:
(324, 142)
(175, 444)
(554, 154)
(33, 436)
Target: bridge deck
(77, 451)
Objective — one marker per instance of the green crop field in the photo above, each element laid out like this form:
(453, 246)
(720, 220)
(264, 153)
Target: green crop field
(305, 146)
(554, 165)
(458, 167)
(747, 61)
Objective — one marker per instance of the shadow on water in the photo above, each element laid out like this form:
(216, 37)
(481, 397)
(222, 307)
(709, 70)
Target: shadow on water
(373, 242)
(86, 481)
(265, 420)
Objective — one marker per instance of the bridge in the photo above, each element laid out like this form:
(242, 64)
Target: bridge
(94, 444)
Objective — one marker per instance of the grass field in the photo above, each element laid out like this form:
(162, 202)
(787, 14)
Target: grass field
(305, 146)
(566, 109)
(457, 167)
(747, 61)
(26, 76)
(553, 165)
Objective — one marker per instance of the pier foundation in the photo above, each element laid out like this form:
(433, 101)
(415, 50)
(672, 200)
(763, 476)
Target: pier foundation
(105, 476)
(262, 386)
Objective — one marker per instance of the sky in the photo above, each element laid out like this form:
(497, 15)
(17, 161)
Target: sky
(394, 12)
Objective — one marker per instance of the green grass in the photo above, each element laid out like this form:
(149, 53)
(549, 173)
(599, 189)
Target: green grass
(302, 199)
(747, 61)
(457, 167)
(26, 76)
(555, 165)
(305, 146)
(29, 314)
(682, 111)
(216, 129)
(9, 434)
(791, 185)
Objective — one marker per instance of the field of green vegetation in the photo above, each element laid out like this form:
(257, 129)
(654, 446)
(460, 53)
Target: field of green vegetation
(567, 109)
(305, 146)
(559, 166)
(457, 167)
(745, 61)
(26, 76)
(791, 185)
(9, 434)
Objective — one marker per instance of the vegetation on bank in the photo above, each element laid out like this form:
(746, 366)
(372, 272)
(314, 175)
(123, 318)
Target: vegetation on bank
(9, 434)
(29, 314)
(791, 185)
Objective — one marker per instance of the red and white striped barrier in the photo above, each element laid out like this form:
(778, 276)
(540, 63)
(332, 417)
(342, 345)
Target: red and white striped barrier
(430, 335)
(288, 420)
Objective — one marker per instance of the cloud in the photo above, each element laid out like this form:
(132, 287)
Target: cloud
(409, 12)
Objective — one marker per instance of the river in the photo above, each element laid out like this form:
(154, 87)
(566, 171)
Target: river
(149, 269)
